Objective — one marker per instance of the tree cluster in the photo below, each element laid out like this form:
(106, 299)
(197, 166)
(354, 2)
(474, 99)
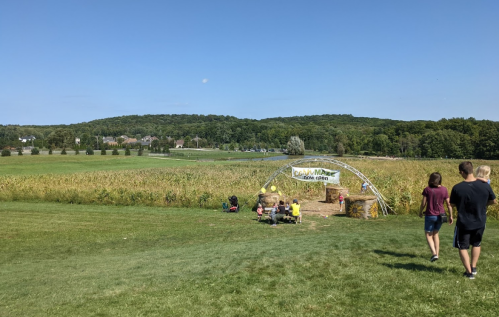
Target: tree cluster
(341, 134)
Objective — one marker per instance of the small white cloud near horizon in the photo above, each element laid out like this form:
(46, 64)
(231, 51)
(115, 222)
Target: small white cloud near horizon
(205, 80)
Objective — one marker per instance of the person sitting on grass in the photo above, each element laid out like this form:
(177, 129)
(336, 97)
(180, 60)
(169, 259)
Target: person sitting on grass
(295, 211)
(273, 216)
(281, 211)
(259, 212)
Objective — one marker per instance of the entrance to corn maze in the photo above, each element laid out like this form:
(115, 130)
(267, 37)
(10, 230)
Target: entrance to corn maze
(320, 192)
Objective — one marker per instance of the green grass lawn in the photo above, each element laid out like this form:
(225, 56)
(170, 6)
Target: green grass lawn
(63, 164)
(209, 154)
(78, 260)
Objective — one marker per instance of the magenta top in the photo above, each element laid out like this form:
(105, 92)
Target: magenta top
(435, 197)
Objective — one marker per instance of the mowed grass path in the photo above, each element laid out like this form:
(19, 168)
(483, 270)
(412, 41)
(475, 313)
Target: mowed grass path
(77, 260)
(64, 164)
(67, 164)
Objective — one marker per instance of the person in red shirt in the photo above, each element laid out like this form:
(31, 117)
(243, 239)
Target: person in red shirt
(434, 196)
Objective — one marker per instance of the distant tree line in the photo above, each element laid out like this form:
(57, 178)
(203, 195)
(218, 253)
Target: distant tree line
(342, 134)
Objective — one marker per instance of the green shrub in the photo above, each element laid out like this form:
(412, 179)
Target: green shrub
(203, 199)
(296, 146)
(170, 196)
(115, 152)
(77, 152)
(103, 152)
(63, 152)
(20, 151)
(141, 152)
(127, 151)
(35, 151)
(5, 152)
(50, 151)
(89, 151)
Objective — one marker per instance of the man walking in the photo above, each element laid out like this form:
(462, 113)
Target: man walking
(471, 198)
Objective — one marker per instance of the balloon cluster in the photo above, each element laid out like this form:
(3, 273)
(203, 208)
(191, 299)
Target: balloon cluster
(272, 188)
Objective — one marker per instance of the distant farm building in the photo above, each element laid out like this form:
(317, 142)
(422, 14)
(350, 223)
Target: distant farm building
(27, 138)
(109, 140)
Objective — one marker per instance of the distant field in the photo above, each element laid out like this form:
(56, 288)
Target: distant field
(219, 154)
(81, 260)
(179, 153)
(159, 181)
(64, 164)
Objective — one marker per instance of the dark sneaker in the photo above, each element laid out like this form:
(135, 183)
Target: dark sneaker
(469, 275)
(434, 258)
(473, 270)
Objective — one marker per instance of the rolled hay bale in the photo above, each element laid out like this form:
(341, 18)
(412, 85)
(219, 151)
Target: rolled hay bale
(333, 192)
(268, 199)
(361, 206)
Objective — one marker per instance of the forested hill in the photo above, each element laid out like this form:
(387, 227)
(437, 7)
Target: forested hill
(457, 137)
(335, 119)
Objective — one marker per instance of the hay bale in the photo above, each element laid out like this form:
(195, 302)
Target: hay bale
(268, 199)
(361, 206)
(333, 192)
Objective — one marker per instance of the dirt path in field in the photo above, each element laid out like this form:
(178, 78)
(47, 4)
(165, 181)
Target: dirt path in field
(319, 208)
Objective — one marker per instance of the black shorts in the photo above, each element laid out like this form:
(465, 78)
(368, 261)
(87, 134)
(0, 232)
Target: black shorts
(463, 238)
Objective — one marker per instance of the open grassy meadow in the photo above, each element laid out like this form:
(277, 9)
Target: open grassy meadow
(145, 236)
(184, 154)
(93, 260)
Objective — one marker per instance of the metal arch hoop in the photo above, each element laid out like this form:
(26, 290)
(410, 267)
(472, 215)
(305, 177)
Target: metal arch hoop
(381, 201)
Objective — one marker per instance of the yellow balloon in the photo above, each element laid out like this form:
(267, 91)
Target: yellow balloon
(279, 192)
(273, 188)
(263, 190)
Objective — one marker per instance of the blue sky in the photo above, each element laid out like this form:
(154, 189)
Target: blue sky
(71, 61)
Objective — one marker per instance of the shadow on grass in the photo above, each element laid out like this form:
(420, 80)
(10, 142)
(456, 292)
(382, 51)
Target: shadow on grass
(340, 215)
(268, 223)
(395, 254)
(413, 267)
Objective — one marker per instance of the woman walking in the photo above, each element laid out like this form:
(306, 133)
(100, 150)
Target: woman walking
(434, 196)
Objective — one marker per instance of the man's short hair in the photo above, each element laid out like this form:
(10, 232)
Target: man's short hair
(466, 167)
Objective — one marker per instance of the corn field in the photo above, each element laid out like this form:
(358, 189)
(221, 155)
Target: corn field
(400, 182)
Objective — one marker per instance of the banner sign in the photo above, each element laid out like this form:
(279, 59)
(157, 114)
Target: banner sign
(312, 174)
